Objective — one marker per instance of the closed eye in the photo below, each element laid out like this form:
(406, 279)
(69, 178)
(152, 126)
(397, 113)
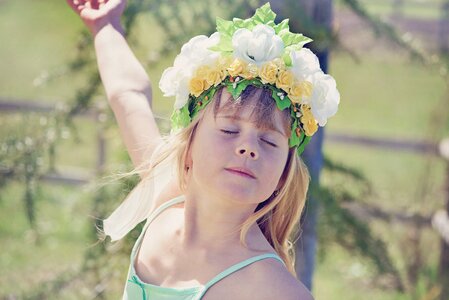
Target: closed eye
(229, 131)
(269, 143)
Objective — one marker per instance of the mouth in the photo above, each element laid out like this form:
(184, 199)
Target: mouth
(241, 172)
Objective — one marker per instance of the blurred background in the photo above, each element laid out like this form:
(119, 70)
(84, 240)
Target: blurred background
(382, 223)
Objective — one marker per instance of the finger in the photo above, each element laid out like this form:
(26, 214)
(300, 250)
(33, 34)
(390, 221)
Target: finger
(79, 2)
(111, 4)
(76, 5)
(90, 14)
(94, 4)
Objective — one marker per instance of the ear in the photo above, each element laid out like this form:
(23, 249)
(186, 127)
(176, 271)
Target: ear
(188, 161)
(188, 158)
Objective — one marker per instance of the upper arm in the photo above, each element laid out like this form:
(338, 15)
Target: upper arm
(137, 125)
(285, 288)
(275, 282)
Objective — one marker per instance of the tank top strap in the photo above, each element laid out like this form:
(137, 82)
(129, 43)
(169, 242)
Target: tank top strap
(153, 216)
(237, 267)
(163, 207)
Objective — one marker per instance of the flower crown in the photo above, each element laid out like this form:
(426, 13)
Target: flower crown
(257, 52)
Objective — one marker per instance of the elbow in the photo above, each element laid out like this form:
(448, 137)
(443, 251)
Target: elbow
(121, 96)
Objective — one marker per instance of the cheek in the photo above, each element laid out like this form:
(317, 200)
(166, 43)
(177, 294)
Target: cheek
(275, 170)
(207, 149)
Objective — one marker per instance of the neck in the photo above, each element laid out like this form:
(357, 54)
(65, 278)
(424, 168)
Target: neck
(214, 223)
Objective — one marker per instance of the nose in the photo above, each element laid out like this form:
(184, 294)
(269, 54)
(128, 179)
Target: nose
(247, 150)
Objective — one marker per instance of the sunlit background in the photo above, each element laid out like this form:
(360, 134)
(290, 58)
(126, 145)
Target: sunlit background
(382, 221)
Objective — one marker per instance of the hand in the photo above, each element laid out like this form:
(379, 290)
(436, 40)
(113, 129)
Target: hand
(98, 13)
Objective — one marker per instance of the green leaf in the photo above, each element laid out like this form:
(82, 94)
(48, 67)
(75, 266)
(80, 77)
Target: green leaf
(294, 139)
(293, 38)
(303, 144)
(249, 24)
(264, 14)
(287, 59)
(238, 22)
(225, 28)
(204, 98)
(180, 118)
(240, 87)
(281, 26)
(224, 45)
(281, 103)
(271, 24)
(295, 47)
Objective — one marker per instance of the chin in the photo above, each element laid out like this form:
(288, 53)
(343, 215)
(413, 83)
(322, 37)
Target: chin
(239, 193)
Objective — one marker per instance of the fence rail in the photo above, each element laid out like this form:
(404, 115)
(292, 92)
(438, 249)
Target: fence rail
(9, 105)
(81, 177)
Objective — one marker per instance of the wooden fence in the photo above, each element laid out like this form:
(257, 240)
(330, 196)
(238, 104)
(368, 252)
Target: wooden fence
(439, 221)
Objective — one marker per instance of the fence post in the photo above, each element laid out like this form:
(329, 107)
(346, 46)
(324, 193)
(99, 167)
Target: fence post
(397, 8)
(101, 150)
(443, 30)
(443, 272)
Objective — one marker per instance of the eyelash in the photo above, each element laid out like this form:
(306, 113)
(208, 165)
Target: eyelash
(228, 131)
(234, 132)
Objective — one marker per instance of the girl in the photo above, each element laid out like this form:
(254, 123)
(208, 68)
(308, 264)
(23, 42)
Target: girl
(222, 194)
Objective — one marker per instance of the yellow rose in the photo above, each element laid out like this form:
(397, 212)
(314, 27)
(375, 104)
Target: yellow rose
(250, 71)
(236, 68)
(279, 62)
(307, 88)
(308, 120)
(202, 72)
(197, 86)
(300, 90)
(284, 80)
(224, 62)
(215, 76)
(268, 73)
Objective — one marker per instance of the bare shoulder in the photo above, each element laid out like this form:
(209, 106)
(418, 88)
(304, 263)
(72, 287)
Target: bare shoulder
(266, 279)
(271, 280)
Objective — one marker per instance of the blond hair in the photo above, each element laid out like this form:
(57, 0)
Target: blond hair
(278, 216)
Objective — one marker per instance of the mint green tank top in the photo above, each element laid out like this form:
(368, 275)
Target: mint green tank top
(136, 289)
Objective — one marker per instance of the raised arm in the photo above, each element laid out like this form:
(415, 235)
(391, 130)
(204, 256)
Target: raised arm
(127, 85)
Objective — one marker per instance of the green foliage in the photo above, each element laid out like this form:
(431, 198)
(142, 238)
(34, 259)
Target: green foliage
(263, 15)
(339, 225)
(22, 153)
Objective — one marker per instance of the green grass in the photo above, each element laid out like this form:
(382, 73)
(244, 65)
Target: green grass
(413, 9)
(40, 37)
(383, 96)
(62, 235)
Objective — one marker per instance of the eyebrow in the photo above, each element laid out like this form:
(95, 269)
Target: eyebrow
(238, 118)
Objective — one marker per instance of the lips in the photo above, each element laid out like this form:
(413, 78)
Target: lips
(241, 171)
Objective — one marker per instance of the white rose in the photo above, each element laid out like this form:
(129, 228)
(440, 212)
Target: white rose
(304, 64)
(182, 93)
(195, 53)
(174, 82)
(257, 46)
(325, 97)
(168, 81)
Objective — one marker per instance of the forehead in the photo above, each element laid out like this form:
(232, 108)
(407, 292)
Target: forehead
(254, 105)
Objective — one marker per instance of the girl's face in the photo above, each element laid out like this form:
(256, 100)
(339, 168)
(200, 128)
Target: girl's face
(236, 155)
